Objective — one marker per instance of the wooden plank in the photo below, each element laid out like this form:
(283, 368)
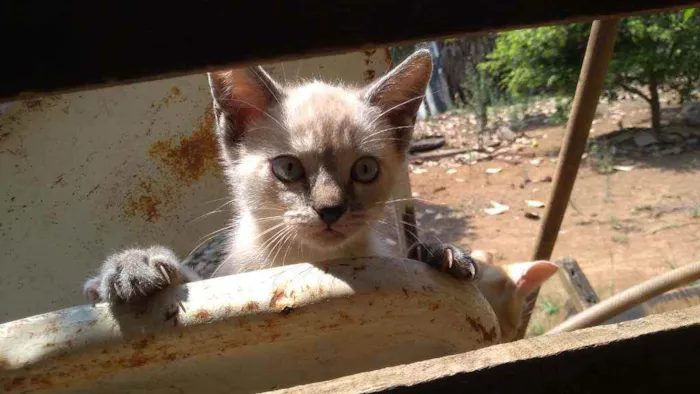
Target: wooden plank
(599, 51)
(581, 293)
(651, 355)
(67, 45)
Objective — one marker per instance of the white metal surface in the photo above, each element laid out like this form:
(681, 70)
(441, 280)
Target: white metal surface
(251, 332)
(85, 174)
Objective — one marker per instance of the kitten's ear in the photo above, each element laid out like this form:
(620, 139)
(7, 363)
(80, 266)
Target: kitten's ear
(241, 96)
(529, 276)
(400, 92)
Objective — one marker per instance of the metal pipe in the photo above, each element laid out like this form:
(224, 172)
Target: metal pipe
(629, 298)
(601, 43)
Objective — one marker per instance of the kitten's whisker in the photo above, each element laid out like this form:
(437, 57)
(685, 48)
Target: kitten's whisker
(289, 246)
(395, 107)
(261, 111)
(209, 236)
(272, 243)
(281, 244)
(383, 131)
(411, 199)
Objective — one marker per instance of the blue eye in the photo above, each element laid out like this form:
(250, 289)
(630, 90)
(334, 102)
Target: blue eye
(365, 169)
(287, 168)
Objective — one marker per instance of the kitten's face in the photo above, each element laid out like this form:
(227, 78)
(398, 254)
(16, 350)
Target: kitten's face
(327, 167)
(316, 160)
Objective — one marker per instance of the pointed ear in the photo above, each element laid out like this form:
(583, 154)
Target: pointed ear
(241, 96)
(529, 276)
(399, 93)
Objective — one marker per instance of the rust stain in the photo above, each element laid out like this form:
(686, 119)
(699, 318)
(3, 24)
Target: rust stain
(276, 296)
(202, 316)
(189, 157)
(4, 136)
(477, 327)
(387, 59)
(15, 384)
(136, 360)
(142, 344)
(146, 205)
(369, 73)
(40, 382)
(345, 317)
(435, 306)
(251, 306)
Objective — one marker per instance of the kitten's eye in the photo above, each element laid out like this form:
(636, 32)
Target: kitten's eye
(365, 169)
(287, 168)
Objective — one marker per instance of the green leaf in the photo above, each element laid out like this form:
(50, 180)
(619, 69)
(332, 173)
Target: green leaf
(687, 14)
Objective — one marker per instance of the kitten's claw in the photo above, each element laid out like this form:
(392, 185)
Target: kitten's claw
(448, 258)
(135, 274)
(164, 273)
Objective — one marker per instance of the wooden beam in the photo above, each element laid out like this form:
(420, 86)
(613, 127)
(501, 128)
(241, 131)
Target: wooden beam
(56, 46)
(599, 50)
(581, 293)
(651, 355)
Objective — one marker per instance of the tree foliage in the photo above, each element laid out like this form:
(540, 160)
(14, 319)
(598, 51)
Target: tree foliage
(652, 53)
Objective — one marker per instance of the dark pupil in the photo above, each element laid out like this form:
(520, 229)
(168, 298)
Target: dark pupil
(290, 166)
(365, 168)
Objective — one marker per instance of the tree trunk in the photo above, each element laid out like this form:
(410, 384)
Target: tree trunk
(655, 104)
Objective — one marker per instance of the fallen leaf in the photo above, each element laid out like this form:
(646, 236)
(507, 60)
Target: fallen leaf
(430, 211)
(623, 168)
(415, 194)
(496, 208)
(536, 162)
(493, 170)
(534, 203)
(451, 171)
(419, 171)
(460, 180)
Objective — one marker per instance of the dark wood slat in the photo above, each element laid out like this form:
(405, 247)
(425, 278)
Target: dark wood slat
(53, 46)
(657, 354)
(581, 293)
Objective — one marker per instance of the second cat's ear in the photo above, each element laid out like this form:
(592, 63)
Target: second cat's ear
(241, 96)
(399, 93)
(529, 276)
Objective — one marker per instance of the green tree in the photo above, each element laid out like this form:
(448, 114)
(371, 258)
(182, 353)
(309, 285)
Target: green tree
(653, 53)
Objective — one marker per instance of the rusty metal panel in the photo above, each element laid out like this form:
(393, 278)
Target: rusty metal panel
(84, 174)
(251, 332)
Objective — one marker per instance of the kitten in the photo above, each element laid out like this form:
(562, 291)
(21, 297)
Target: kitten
(311, 168)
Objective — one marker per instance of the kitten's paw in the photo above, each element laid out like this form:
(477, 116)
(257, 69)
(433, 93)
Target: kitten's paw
(447, 258)
(134, 274)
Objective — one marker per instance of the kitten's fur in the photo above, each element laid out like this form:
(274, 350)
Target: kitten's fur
(328, 129)
(327, 213)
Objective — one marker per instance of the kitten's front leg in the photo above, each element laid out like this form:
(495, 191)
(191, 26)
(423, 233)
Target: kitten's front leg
(448, 258)
(134, 274)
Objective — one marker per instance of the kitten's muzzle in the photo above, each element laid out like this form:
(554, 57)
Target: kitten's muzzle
(331, 214)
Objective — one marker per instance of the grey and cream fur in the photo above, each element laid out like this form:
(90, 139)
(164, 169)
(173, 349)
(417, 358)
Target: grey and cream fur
(310, 167)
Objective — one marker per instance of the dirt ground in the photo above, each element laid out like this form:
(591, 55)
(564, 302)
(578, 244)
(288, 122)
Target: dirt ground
(622, 227)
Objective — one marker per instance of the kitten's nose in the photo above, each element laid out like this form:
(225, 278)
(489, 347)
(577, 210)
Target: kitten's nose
(331, 214)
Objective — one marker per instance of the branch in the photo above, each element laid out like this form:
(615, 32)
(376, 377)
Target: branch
(635, 91)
